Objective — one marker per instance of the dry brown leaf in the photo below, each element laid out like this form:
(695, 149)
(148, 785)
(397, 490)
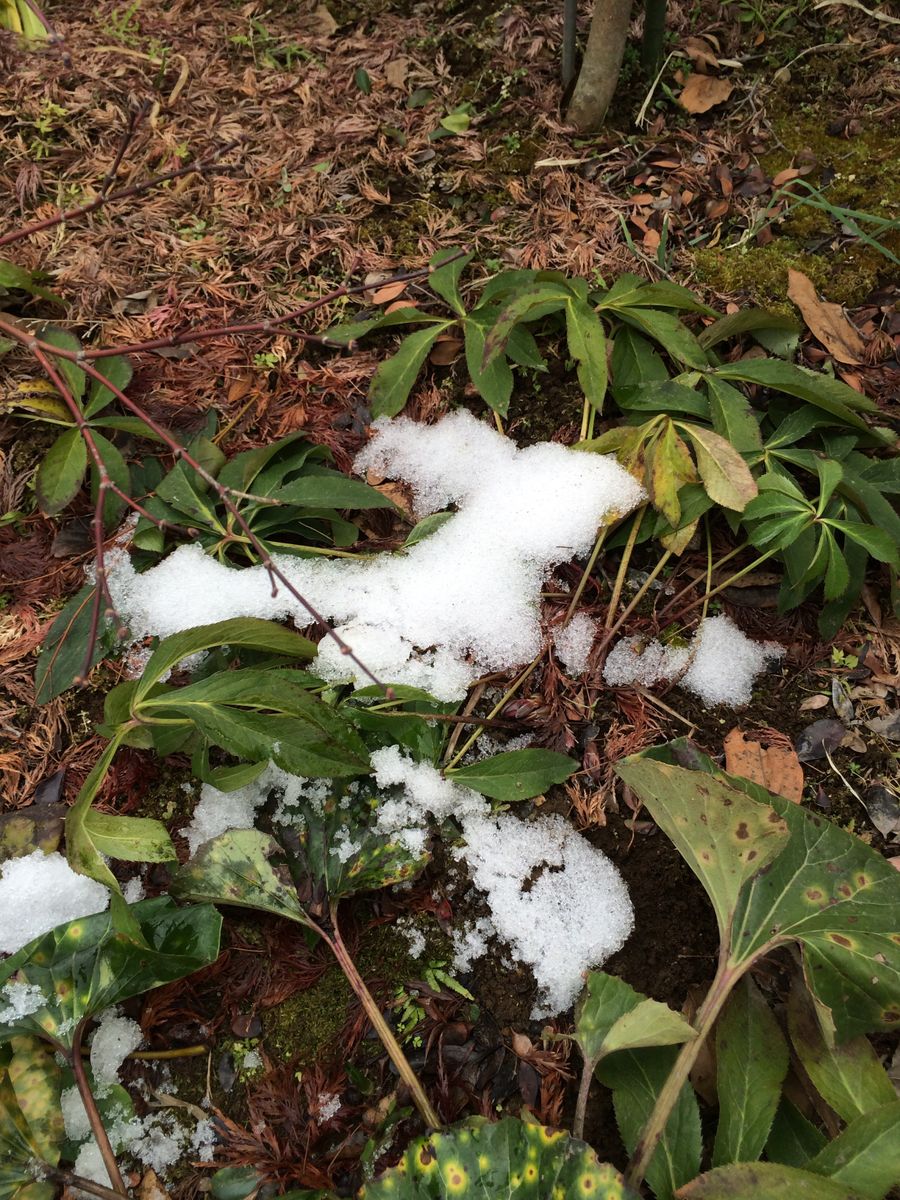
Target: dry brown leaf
(815, 702)
(322, 22)
(825, 320)
(703, 92)
(701, 54)
(395, 72)
(786, 176)
(774, 767)
(151, 1189)
(390, 292)
(445, 351)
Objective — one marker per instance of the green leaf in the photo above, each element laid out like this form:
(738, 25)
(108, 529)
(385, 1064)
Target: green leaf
(748, 320)
(36, 1078)
(668, 468)
(506, 1159)
(528, 304)
(764, 1181)
(235, 868)
(362, 80)
(732, 416)
(444, 277)
(493, 383)
(587, 345)
(670, 397)
(18, 279)
(875, 541)
(848, 1076)
(793, 1140)
(394, 378)
(516, 774)
(725, 475)
(664, 327)
(612, 1016)
(723, 836)
(118, 371)
(250, 632)
(631, 291)
(182, 490)
(331, 491)
(426, 527)
(634, 364)
(73, 376)
(751, 1063)
(132, 839)
(823, 392)
(637, 1077)
(117, 470)
(89, 964)
(62, 656)
(865, 1155)
(61, 473)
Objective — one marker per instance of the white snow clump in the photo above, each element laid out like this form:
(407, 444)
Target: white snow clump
(573, 642)
(40, 891)
(560, 904)
(19, 999)
(459, 603)
(114, 1039)
(720, 665)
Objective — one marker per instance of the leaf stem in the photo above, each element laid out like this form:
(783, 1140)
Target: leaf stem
(623, 565)
(93, 1113)
(380, 1025)
(727, 975)
(589, 566)
(483, 722)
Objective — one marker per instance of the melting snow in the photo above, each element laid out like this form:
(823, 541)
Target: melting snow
(719, 666)
(573, 642)
(40, 891)
(456, 605)
(114, 1039)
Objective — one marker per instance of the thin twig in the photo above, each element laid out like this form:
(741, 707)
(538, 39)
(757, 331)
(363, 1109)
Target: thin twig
(197, 165)
(134, 120)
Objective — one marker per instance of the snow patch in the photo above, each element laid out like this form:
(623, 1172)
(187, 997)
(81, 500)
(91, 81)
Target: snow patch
(18, 1000)
(40, 891)
(114, 1039)
(720, 665)
(573, 642)
(458, 604)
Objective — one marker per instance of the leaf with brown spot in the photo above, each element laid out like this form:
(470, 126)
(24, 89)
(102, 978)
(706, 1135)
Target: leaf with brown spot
(776, 768)
(826, 321)
(703, 92)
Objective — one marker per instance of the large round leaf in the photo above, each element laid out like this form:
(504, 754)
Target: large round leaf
(509, 1160)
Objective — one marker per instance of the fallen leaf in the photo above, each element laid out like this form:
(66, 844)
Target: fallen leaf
(887, 727)
(390, 292)
(701, 54)
(815, 702)
(819, 739)
(776, 768)
(323, 23)
(395, 72)
(785, 176)
(445, 351)
(883, 809)
(825, 320)
(151, 1189)
(703, 92)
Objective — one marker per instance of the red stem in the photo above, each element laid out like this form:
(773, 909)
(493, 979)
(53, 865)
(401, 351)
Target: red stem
(93, 1113)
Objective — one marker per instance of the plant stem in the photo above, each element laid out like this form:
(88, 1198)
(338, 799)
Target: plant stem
(638, 595)
(93, 1113)
(731, 579)
(689, 587)
(727, 975)
(584, 1088)
(623, 566)
(380, 1025)
(69, 1179)
(582, 582)
(709, 570)
(654, 34)
(484, 721)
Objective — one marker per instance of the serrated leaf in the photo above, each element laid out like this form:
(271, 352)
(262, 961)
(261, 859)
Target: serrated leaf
(636, 1078)
(587, 345)
(848, 1076)
(764, 1181)
(73, 376)
(751, 1063)
(793, 1140)
(668, 468)
(117, 370)
(634, 364)
(515, 774)
(612, 1016)
(527, 304)
(18, 1146)
(505, 1160)
(865, 1155)
(732, 416)
(89, 964)
(394, 378)
(14, 277)
(671, 333)
(236, 868)
(493, 383)
(823, 392)
(873, 540)
(117, 470)
(63, 650)
(61, 473)
(748, 320)
(725, 475)
(444, 277)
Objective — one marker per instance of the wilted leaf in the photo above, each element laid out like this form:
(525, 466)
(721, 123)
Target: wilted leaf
(725, 475)
(826, 321)
(703, 92)
(235, 868)
(25, 830)
(36, 1078)
(764, 1181)
(776, 768)
(820, 739)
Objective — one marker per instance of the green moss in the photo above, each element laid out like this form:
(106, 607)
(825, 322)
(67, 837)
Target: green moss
(167, 800)
(305, 1028)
